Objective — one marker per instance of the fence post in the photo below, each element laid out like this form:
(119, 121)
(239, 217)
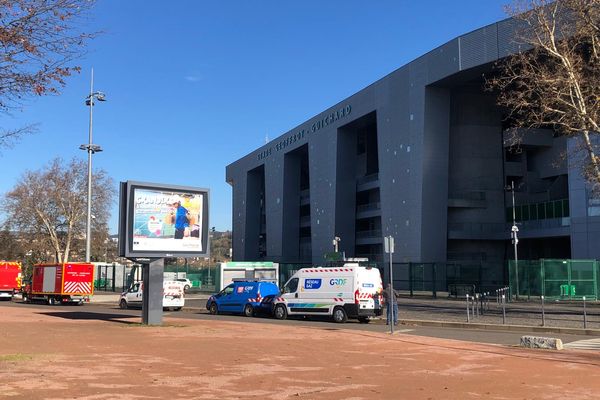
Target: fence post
(543, 313)
(468, 317)
(503, 310)
(584, 315)
(434, 278)
(410, 279)
(113, 277)
(528, 283)
(482, 303)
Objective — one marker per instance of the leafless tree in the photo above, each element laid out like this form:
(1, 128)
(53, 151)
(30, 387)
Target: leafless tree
(40, 40)
(49, 208)
(552, 82)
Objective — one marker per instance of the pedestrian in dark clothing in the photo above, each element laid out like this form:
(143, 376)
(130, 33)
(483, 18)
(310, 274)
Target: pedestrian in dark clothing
(392, 305)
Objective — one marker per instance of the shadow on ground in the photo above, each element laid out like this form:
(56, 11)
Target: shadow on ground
(82, 315)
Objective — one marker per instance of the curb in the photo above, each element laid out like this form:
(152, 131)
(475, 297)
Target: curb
(507, 328)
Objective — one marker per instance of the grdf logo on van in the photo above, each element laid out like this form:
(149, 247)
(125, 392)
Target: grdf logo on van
(338, 281)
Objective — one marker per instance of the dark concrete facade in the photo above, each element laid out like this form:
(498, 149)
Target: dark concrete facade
(418, 155)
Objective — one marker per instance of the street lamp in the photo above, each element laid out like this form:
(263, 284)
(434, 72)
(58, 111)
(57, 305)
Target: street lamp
(336, 240)
(514, 235)
(91, 149)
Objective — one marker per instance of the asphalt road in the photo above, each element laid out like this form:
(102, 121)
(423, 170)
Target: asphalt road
(195, 309)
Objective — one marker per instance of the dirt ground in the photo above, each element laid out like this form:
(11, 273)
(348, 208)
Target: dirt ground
(69, 354)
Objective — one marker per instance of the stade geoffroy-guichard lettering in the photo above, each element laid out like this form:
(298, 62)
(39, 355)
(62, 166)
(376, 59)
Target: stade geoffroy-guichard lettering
(419, 155)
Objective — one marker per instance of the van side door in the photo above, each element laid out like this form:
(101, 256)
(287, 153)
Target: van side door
(225, 298)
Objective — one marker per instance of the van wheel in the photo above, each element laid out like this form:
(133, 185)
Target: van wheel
(213, 309)
(364, 320)
(280, 311)
(249, 310)
(123, 304)
(177, 308)
(339, 315)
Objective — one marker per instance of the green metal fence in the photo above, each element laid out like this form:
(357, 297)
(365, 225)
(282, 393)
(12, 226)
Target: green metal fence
(551, 278)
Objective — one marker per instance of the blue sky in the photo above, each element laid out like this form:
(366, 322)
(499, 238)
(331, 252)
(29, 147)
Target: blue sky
(194, 85)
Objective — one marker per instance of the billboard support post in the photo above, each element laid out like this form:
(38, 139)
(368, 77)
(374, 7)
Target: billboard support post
(152, 278)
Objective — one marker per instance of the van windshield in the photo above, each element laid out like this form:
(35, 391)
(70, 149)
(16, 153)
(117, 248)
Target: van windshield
(291, 286)
(227, 290)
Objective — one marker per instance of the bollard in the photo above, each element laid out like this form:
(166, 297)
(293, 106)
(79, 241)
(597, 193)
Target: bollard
(473, 306)
(468, 317)
(503, 310)
(543, 313)
(584, 315)
(476, 304)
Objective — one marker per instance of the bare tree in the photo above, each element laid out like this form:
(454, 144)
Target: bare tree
(39, 39)
(553, 81)
(49, 207)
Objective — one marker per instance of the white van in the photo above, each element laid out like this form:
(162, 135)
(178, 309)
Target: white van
(349, 291)
(173, 296)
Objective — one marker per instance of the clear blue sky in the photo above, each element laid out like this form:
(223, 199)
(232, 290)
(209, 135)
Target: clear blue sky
(194, 85)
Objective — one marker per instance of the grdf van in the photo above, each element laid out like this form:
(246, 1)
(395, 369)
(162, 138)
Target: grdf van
(348, 291)
(241, 296)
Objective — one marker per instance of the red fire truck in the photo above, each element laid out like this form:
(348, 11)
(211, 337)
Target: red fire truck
(10, 279)
(61, 283)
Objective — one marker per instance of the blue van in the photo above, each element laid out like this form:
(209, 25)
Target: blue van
(241, 297)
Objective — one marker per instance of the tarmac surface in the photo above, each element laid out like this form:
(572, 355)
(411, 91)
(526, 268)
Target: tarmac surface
(559, 316)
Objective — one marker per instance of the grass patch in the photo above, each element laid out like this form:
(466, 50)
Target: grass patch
(15, 357)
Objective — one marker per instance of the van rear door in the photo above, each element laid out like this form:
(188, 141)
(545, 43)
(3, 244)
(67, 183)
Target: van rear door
(369, 285)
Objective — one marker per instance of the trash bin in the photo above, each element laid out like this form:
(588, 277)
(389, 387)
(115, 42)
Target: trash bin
(573, 291)
(564, 290)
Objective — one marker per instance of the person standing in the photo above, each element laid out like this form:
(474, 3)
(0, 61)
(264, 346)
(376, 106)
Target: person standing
(182, 220)
(392, 304)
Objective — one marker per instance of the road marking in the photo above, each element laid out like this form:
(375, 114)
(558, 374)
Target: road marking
(404, 330)
(587, 344)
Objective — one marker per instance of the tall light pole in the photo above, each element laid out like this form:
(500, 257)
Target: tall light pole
(515, 238)
(336, 240)
(91, 149)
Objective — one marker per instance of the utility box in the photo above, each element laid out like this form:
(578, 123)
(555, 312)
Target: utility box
(263, 271)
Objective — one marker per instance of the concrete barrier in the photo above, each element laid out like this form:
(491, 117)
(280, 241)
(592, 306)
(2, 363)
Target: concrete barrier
(539, 342)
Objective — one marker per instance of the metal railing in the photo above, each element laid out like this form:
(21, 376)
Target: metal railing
(367, 178)
(375, 233)
(368, 207)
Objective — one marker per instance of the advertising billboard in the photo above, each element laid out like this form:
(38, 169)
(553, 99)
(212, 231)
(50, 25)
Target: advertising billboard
(158, 220)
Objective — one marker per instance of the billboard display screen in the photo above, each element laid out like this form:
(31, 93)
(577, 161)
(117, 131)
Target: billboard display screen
(163, 221)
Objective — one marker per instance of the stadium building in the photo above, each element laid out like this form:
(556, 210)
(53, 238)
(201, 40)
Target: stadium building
(419, 155)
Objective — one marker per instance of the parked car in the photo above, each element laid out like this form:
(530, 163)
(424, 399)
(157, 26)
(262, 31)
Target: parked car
(241, 297)
(187, 284)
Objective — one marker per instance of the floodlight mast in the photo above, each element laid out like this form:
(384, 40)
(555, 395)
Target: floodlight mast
(91, 149)
(515, 238)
